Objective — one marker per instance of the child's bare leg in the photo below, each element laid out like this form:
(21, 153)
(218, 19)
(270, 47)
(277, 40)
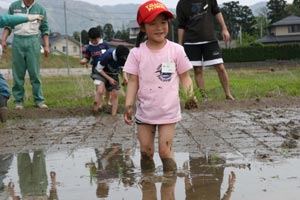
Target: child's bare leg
(108, 97)
(98, 96)
(165, 146)
(146, 135)
(167, 188)
(114, 98)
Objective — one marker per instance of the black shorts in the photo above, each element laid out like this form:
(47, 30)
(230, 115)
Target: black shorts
(110, 87)
(204, 54)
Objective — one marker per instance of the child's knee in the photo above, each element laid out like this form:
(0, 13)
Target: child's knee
(164, 152)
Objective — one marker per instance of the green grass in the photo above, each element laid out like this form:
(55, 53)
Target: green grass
(255, 83)
(52, 61)
(75, 91)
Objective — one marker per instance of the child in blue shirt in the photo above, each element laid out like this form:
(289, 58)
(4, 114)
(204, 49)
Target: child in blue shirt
(109, 67)
(93, 52)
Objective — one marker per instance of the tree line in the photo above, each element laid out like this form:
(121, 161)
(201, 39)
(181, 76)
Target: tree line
(239, 19)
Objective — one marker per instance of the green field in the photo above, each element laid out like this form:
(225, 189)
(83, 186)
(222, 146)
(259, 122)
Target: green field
(74, 91)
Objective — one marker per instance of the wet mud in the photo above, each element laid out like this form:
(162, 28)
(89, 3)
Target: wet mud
(220, 154)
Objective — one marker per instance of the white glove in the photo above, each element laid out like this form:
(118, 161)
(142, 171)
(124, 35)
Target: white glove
(35, 17)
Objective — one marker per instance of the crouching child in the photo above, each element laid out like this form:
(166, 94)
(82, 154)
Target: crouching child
(110, 65)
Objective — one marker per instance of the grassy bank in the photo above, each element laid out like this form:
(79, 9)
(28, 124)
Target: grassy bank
(76, 91)
(53, 61)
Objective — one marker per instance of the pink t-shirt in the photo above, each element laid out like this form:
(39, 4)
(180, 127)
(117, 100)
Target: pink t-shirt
(157, 100)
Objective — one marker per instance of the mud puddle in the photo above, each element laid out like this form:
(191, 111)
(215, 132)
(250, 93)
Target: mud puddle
(114, 173)
(233, 155)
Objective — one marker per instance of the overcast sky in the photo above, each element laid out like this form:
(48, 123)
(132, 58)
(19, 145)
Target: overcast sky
(169, 3)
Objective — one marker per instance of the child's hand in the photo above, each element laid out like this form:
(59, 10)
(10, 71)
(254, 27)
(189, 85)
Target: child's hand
(125, 81)
(191, 103)
(128, 115)
(82, 62)
(113, 81)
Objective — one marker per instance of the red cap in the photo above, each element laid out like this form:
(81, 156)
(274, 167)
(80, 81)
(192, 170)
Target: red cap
(150, 10)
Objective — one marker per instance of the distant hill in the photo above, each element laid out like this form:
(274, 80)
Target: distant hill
(257, 8)
(81, 15)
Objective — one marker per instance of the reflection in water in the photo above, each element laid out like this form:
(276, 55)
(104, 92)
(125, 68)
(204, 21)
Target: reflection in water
(33, 177)
(148, 185)
(32, 174)
(5, 162)
(53, 191)
(205, 178)
(117, 176)
(112, 164)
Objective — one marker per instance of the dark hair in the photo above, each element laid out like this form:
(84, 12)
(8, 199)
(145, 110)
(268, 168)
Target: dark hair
(94, 33)
(121, 54)
(141, 37)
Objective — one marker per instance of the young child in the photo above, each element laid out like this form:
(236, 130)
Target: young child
(10, 20)
(155, 68)
(109, 67)
(94, 51)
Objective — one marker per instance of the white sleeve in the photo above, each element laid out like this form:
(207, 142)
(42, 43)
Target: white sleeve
(99, 67)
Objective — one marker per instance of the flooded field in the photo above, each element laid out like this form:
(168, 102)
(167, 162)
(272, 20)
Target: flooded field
(231, 155)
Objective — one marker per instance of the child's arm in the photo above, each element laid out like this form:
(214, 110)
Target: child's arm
(132, 88)
(100, 68)
(124, 77)
(107, 77)
(187, 85)
(83, 61)
(86, 57)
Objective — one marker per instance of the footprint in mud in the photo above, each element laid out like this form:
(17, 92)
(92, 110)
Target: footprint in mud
(295, 132)
(289, 144)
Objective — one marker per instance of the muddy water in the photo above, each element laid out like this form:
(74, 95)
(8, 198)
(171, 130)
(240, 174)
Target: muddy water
(113, 174)
(220, 155)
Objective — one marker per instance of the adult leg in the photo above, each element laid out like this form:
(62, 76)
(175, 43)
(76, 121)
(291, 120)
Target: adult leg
(198, 73)
(165, 146)
(18, 70)
(146, 133)
(33, 67)
(223, 76)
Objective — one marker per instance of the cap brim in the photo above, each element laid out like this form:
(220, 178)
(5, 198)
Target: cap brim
(155, 14)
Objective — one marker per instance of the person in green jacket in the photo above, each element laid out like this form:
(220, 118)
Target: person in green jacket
(10, 20)
(26, 50)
